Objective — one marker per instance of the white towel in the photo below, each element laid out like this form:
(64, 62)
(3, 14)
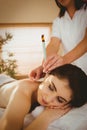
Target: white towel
(5, 79)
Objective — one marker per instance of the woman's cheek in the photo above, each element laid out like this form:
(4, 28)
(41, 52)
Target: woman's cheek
(41, 87)
(44, 89)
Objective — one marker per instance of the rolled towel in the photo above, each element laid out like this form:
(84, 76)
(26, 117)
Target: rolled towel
(37, 111)
(31, 116)
(5, 79)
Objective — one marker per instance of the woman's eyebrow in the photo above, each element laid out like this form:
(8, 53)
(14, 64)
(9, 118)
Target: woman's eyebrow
(54, 86)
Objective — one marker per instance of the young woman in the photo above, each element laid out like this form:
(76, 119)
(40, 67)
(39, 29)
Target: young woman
(63, 88)
(69, 30)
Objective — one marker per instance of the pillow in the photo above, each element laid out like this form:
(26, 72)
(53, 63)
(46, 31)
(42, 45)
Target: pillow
(1, 112)
(75, 119)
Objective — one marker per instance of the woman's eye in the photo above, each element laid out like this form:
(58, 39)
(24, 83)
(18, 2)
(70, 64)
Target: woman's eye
(60, 100)
(51, 87)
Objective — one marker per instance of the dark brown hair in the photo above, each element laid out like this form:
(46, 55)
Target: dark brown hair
(77, 81)
(78, 4)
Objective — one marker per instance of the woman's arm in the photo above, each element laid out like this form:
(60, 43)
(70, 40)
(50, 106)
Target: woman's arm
(40, 123)
(18, 106)
(46, 117)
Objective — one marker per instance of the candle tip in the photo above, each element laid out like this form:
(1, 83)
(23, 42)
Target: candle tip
(42, 37)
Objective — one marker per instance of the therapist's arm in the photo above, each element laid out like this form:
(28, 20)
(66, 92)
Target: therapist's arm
(77, 52)
(53, 46)
(57, 60)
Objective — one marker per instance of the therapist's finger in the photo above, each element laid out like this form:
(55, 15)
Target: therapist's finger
(50, 64)
(47, 61)
(58, 63)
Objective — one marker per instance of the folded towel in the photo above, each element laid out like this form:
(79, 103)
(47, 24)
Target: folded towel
(5, 79)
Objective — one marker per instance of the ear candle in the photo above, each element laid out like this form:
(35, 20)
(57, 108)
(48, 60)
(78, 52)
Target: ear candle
(43, 46)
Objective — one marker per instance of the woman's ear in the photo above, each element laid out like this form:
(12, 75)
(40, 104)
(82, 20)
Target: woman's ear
(46, 76)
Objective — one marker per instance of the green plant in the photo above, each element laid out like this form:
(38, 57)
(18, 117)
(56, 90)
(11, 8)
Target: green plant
(5, 40)
(7, 66)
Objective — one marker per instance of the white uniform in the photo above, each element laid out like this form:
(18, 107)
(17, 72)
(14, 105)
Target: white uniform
(71, 32)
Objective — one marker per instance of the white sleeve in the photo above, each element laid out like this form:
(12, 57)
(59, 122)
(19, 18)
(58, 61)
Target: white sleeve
(56, 28)
(86, 18)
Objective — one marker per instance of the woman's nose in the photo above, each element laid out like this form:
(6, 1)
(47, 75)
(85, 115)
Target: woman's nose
(50, 98)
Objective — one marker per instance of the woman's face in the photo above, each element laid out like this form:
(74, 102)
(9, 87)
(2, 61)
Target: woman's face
(66, 3)
(54, 92)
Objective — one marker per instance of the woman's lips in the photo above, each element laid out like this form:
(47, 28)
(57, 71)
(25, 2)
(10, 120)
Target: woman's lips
(44, 102)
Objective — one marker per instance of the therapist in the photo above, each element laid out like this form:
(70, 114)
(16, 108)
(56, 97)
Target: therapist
(69, 30)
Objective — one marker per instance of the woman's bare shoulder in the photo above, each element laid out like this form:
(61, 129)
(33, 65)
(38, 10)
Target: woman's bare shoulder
(28, 82)
(28, 86)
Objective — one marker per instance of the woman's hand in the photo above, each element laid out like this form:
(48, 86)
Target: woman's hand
(52, 114)
(52, 62)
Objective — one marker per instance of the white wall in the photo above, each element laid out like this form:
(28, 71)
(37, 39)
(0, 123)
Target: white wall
(26, 45)
(27, 11)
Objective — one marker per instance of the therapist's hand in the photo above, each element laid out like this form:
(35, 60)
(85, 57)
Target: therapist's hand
(36, 74)
(52, 62)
